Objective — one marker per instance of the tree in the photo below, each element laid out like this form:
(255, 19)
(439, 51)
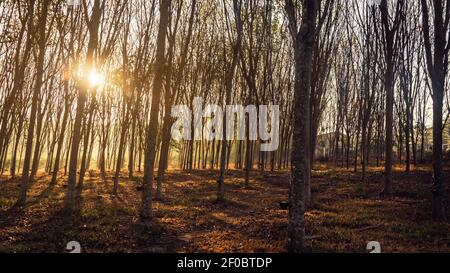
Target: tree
(391, 45)
(152, 131)
(93, 23)
(303, 41)
(37, 89)
(436, 54)
(229, 75)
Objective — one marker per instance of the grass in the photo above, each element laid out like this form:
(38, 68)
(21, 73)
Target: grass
(344, 215)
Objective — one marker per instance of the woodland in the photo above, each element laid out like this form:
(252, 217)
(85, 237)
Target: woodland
(87, 153)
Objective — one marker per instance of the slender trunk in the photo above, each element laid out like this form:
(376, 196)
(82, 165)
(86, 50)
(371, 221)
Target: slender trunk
(86, 146)
(228, 89)
(121, 149)
(37, 89)
(61, 137)
(150, 150)
(69, 202)
(303, 42)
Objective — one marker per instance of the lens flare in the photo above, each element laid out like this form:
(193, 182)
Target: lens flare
(95, 78)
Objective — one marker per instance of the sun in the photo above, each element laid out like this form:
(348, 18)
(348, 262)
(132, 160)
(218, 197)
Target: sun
(95, 78)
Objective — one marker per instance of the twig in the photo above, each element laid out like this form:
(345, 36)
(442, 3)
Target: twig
(370, 227)
(312, 237)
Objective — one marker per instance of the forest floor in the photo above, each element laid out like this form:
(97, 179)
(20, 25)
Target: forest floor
(345, 214)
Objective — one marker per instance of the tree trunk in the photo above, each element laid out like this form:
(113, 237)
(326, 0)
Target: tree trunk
(34, 104)
(94, 23)
(61, 136)
(437, 67)
(150, 150)
(304, 42)
(228, 88)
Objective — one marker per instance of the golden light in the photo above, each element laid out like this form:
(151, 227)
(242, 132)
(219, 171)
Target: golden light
(90, 78)
(95, 78)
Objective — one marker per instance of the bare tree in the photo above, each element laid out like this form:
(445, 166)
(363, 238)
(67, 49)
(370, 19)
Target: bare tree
(93, 22)
(391, 45)
(150, 150)
(436, 53)
(228, 80)
(303, 41)
(37, 89)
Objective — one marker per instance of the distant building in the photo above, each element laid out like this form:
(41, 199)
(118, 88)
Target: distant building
(445, 139)
(325, 145)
